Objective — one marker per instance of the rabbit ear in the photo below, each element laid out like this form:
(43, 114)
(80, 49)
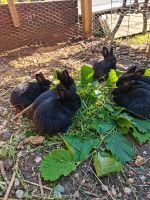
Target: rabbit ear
(42, 75)
(39, 77)
(105, 52)
(111, 51)
(139, 73)
(65, 73)
(131, 69)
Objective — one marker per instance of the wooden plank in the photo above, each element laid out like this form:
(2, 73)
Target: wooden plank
(13, 12)
(86, 12)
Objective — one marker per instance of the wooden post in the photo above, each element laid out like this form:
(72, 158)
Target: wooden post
(13, 12)
(86, 11)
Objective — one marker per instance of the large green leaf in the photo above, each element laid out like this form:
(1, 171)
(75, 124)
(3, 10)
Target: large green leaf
(141, 137)
(57, 163)
(105, 164)
(80, 146)
(124, 121)
(142, 125)
(120, 147)
(87, 73)
(104, 126)
(112, 77)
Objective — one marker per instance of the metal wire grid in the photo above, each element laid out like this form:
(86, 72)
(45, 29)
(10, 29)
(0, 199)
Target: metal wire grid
(48, 22)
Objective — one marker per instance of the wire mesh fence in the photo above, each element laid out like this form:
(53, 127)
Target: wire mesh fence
(48, 22)
(119, 18)
(114, 19)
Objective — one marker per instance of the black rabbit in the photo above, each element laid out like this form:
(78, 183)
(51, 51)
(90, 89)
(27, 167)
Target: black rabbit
(102, 67)
(134, 96)
(131, 74)
(25, 93)
(65, 79)
(54, 114)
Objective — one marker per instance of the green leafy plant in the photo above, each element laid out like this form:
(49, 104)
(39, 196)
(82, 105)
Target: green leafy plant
(86, 74)
(105, 164)
(99, 130)
(57, 163)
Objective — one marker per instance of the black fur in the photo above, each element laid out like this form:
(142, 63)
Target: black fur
(24, 94)
(54, 115)
(102, 67)
(133, 93)
(65, 79)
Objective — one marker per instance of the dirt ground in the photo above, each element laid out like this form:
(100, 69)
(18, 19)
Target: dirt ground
(21, 65)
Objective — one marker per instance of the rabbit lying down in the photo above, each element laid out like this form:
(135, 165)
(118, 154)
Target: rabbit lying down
(52, 111)
(54, 114)
(133, 93)
(24, 94)
(65, 79)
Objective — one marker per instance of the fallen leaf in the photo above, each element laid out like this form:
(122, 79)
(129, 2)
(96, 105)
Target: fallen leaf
(34, 140)
(139, 161)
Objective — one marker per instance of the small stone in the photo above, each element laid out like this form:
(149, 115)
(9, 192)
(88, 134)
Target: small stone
(127, 190)
(20, 154)
(19, 194)
(145, 152)
(113, 191)
(16, 182)
(104, 188)
(37, 159)
(83, 181)
(139, 161)
(131, 180)
(76, 175)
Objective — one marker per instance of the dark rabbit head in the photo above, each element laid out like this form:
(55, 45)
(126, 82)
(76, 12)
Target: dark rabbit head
(109, 56)
(42, 81)
(130, 76)
(66, 80)
(68, 97)
(131, 69)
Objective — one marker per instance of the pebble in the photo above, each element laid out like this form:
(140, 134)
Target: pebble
(131, 180)
(76, 175)
(145, 152)
(37, 159)
(113, 191)
(19, 194)
(83, 181)
(139, 161)
(127, 190)
(104, 188)
(16, 182)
